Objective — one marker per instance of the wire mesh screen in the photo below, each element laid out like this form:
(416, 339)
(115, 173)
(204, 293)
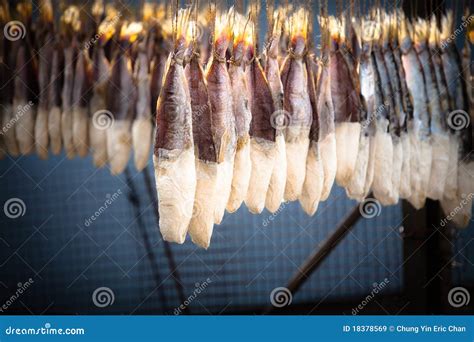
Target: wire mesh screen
(83, 230)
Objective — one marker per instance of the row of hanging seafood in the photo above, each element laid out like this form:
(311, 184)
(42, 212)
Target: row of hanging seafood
(380, 104)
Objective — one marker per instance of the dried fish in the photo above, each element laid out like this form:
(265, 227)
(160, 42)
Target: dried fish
(314, 177)
(69, 28)
(55, 99)
(362, 178)
(223, 120)
(297, 104)
(327, 136)
(80, 104)
(101, 120)
(406, 108)
(419, 129)
(142, 125)
(202, 221)
(382, 185)
(439, 135)
(346, 104)
(242, 114)
(263, 147)
(121, 100)
(173, 158)
(276, 188)
(26, 89)
(397, 114)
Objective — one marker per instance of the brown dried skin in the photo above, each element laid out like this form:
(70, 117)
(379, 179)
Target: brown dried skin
(80, 107)
(261, 103)
(55, 100)
(312, 72)
(173, 120)
(97, 133)
(66, 116)
(201, 112)
(343, 93)
(220, 96)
